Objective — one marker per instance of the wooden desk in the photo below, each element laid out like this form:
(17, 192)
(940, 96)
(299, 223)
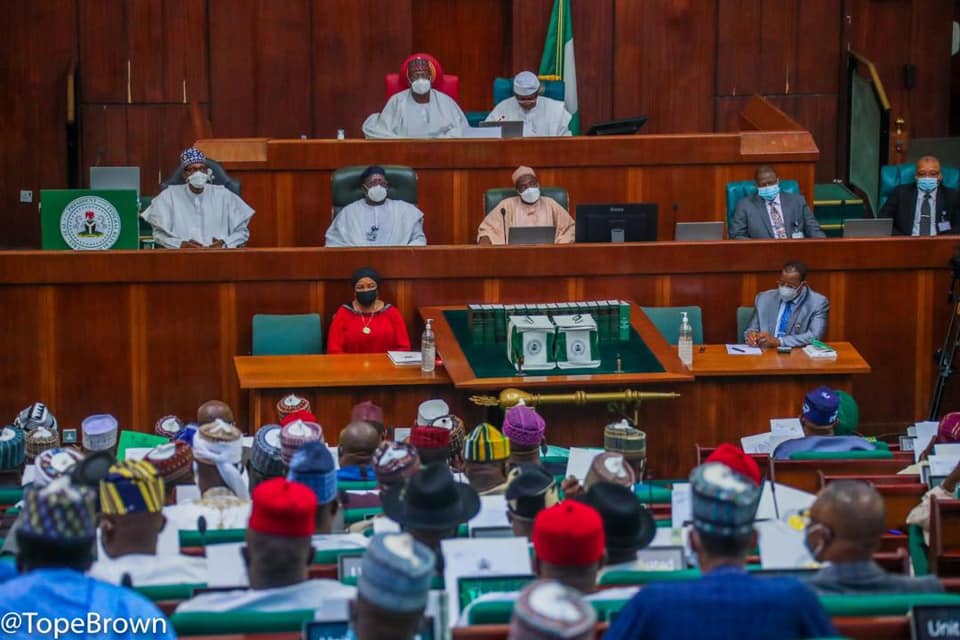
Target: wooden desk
(335, 382)
(712, 360)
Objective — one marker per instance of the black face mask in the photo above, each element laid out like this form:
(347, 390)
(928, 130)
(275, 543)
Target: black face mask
(366, 298)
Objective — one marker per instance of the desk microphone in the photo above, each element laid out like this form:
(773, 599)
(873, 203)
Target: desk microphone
(503, 217)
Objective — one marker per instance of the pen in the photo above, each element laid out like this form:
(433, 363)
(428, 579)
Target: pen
(738, 349)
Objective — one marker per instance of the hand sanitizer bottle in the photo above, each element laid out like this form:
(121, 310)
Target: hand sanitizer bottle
(428, 349)
(685, 344)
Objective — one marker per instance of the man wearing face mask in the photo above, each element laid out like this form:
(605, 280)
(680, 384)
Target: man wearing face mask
(376, 220)
(926, 207)
(792, 315)
(198, 215)
(417, 112)
(770, 213)
(540, 116)
(526, 209)
(846, 524)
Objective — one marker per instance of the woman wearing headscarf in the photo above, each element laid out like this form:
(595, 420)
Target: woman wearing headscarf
(367, 324)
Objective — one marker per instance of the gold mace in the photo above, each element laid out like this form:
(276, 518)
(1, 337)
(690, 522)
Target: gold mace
(510, 397)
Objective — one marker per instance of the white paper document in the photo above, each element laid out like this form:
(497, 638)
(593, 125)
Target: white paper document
(790, 502)
(782, 426)
(949, 450)
(743, 350)
(765, 442)
(578, 464)
(405, 358)
(943, 465)
(926, 431)
(781, 546)
(137, 453)
(493, 513)
(334, 541)
(478, 557)
(225, 565)
(681, 509)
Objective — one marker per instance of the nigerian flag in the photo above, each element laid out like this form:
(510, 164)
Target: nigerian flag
(557, 61)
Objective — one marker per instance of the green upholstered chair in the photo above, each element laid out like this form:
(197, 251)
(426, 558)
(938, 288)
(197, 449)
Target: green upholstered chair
(744, 188)
(346, 187)
(220, 177)
(503, 89)
(744, 314)
(283, 335)
(894, 175)
(667, 321)
(474, 118)
(492, 197)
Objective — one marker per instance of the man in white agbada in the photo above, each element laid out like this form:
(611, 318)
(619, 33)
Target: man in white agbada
(541, 116)
(417, 112)
(198, 215)
(376, 219)
(224, 501)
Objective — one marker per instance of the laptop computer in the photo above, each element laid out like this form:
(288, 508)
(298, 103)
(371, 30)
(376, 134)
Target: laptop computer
(508, 128)
(696, 231)
(115, 178)
(867, 227)
(531, 235)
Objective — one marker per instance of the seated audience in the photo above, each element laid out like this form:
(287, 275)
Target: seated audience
(417, 112)
(526, 209)
(844, 531)
(358, 443)
(277, 553)
(266, 456)
(131, 503)
(366, 411)
(367, 324)
(771, 213)
(525, 429)
(627, 526)
(568, 545)
(56, 546)
(530, 490)
(392, 589)
(792, 315)
(375, 219)
(541, 116)
(197, 214)
(818, 418)
(948, 431)
(550, 610)
(291, 403)
(431, 506)
(728, 601)
(926, 207)
(224, 501)
(485, 456)
(312, 465)
(623, 438)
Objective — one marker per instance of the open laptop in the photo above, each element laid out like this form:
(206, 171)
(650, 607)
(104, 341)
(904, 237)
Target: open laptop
(696, 231)
(121, 178)
(867, 227)
(531, 235)
(508, 128)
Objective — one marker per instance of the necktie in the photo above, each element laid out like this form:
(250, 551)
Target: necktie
(785, 319)
(778, 229)
(925, 215)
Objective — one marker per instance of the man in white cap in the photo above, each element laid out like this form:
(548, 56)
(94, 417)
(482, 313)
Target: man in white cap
(541, 116)
(224, 501)
(526, 209)
(198, 215)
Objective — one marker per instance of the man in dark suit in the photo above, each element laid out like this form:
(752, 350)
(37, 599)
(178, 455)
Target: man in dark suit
(770, 213)
(924, 207)
(792, 315)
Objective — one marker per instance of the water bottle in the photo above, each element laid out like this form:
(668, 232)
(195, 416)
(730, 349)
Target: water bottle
(341, 134)
(428, 349)
(685, 344)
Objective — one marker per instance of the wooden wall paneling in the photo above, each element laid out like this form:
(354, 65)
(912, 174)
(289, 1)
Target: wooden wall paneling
(738, 44)
(258, 191)
(713, 295)
(311, 209)
(674, 62)
(233, 67)
(818, 115)
(929, 101)
(102, 35)
(186, 59)
(156, 134)
(103, 137)
(144, 30)
(819, 55)
(439, 27)
(435, 190)
(24, 322)
(355, 44)
(593, 44)
(530, 19)
(778, 46)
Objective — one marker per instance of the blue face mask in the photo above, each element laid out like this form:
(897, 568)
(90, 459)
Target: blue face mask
(769, 192)
(926, 183)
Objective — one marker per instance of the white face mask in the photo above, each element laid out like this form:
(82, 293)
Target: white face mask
(377, 193)
(530, 195)
(420, 86)
(198, 179)
(788, 293)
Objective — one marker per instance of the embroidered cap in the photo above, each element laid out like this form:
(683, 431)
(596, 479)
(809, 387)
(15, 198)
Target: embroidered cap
(52, 463)
(395, 462)
(12, 448)
(550, 609)
(523, 426)
(622, 437)
(821, 406)
(168, 426)
(610, 467)
(266, 455)
(295, 434)
(59, 511)
(131, 486)
(99, 432)
(291, 403)
(313, 465)
(39, 440)
(395, 572)
(724, 501)
(173, 462)
(486, 444)
(35, 416)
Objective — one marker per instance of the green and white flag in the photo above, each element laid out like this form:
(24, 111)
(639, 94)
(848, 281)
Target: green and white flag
(557, 61)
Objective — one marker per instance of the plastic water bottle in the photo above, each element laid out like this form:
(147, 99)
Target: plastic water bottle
(340, 134)
(685, 344)
(428, 349)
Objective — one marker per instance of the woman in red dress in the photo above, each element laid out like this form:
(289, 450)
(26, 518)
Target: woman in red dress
(367, 324)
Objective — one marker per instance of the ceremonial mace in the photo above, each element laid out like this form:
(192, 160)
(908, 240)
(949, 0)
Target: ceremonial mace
(510, 397)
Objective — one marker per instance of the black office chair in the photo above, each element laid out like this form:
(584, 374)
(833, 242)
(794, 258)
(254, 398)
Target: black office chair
(220, 176)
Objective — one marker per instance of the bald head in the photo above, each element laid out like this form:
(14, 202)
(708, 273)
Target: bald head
(853, 511)
(358, 441)
(213, 410)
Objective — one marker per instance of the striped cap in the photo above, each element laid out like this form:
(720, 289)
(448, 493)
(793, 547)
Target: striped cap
(35, 416)
(622, 437)
(295, 434)
(55, 462)
(168, 426)
(39, 440)
(173, 462)
(290, 404)
(486, 444)
(266, 454)
(59, 511)
(132, 486)
(12, 448)
(396, 572)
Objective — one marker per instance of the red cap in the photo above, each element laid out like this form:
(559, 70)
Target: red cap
(429, 437)
(302, 414)
(737, 461)
(949, 429)
(569, 534)
(283, 508)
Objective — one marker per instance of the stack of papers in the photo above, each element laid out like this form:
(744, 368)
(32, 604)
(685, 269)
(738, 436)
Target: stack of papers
(405, 358)
(781, 430)
(820, 351)
(743, 350)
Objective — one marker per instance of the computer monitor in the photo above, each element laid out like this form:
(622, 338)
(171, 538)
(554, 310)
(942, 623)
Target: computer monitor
(622, 127)
(629, 222)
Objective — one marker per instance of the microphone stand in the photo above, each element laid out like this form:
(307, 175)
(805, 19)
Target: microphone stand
(946, 355)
